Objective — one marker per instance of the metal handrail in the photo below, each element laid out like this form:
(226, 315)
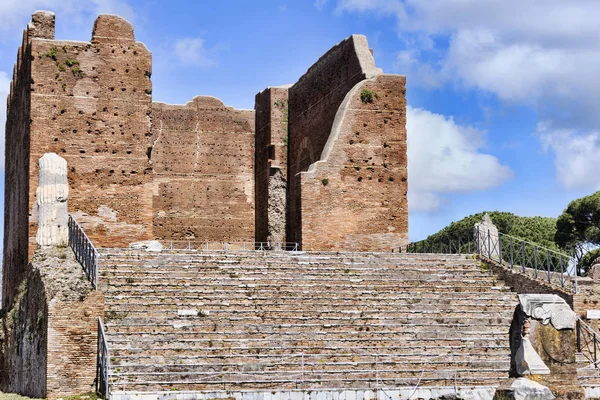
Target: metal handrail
(102, 363)
(588, 342)
(531, 258)
(84, 250)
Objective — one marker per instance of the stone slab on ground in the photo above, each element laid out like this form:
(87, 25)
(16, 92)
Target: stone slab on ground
(523, 389)
(148, 245)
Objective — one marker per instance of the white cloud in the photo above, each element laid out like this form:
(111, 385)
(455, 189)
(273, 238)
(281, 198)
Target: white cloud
(576, 155)
(14, 14)
(4, 90)
(319, 4)
(542, 54)
(445, 157)
(192, 51)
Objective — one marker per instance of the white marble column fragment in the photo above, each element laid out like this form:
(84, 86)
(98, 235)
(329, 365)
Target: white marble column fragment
(52, 194)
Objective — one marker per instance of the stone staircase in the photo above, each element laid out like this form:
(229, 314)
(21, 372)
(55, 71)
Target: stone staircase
(588, 376)
(207, 321)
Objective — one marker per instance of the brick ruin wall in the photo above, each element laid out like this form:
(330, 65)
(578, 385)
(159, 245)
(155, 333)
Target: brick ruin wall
(203, 162)
(48, 339)
(139, 170)
(270, 163)
(24, 339)
(357, 198)
(16, 184)
(91, 104)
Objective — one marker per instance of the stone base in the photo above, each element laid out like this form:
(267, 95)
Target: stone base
(424, 393)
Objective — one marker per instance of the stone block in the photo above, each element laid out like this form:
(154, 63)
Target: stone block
(594, 272)
(528, 362)
(487, 238)
(523, 389)
(548, 308)
(148, 245)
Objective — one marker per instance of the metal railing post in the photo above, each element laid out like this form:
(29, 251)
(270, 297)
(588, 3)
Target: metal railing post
(500, 249)
(102, 362)
(511, 254)
(548, 264)
(595, 355)
(98, 372)
(523, 257)
(578, 329)
(535, 261)
(489, 245)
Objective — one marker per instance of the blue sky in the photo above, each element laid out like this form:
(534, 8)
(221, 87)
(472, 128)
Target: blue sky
(503, 94)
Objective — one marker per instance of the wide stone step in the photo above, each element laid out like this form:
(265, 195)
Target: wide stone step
(422, 354)
(210, 339)
(287, 264)
(366, 297)
(162, 335)
(125, 253)
(391, 284)
(220, 347)
(374, 304)
(264, 311)
(304, 312)
(314, 380)
(483, 388)
(342, 290)
(284, 322)
(393, 372)
(299, 276)
(289, 329)
(295, 363)
(331, 364)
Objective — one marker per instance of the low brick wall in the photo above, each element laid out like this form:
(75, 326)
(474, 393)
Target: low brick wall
(522, 283)
(49, 337)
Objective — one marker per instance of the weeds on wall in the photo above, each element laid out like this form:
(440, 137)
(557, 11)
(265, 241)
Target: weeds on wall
(368, 96)
(62, 66)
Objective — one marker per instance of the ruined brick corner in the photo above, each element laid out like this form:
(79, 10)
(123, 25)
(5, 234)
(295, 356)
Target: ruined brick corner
(108, 28)
(42, 25)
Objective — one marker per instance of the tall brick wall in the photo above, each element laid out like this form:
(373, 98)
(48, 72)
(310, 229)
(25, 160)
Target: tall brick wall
(203, 162)
(355, 197)
(91, 104)
(72, 343)
(362, 205)
(16, 189)
(270, 163)
(49, 339)
(24, 339)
